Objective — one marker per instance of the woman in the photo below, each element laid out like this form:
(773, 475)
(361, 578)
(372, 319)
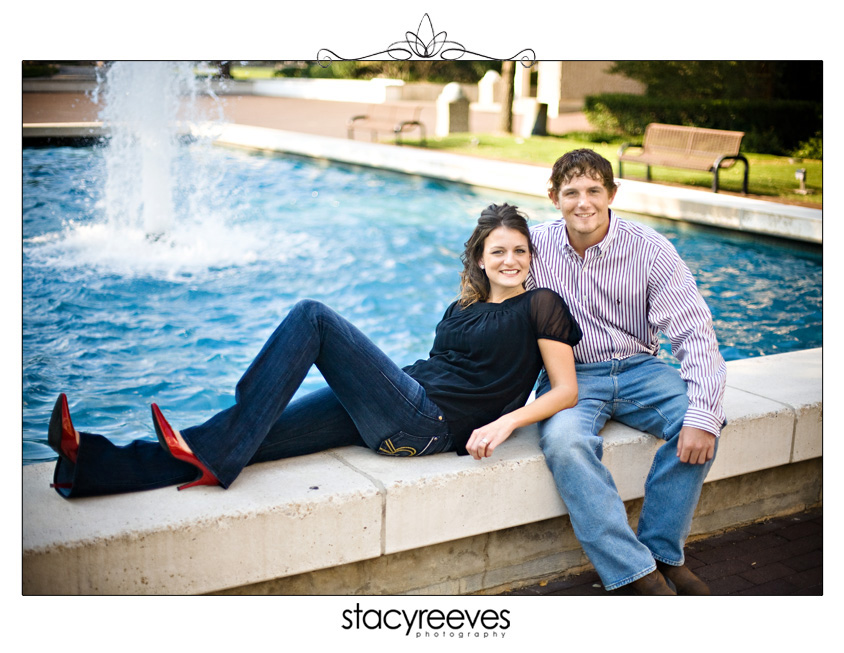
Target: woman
(468, 396)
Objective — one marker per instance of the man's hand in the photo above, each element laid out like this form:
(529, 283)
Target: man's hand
(695, 446)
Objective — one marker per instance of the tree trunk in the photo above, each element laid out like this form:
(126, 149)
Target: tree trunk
(225, 68)
(508, 78)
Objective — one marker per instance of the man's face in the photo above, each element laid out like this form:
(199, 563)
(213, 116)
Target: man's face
(584, 203)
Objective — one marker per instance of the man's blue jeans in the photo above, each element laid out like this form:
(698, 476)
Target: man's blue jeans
(646, 394)
(370, 401)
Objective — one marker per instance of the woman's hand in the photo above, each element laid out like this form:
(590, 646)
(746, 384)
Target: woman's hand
(484, 440)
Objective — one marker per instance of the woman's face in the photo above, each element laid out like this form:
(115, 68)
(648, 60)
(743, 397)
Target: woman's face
(506, 262)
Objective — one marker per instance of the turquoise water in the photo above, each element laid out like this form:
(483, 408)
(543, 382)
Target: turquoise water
(117, 319)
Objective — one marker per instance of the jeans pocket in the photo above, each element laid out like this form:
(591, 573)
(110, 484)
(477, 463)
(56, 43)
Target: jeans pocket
(407, 444)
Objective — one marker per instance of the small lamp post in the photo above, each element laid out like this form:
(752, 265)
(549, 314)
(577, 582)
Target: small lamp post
(800, 175)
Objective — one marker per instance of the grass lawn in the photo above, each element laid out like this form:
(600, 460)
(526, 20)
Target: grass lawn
(252, 72)
(771, 177)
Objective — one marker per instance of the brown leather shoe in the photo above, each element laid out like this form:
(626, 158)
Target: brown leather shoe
(684, 580)
(651, 585)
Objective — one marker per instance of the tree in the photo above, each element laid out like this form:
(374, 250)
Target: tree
(722, 80)
(225, 69)
(508, 78)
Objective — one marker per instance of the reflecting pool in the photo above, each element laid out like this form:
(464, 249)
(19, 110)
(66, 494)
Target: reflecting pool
(118, 318)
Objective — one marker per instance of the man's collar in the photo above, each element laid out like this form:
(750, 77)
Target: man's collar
(606, 241)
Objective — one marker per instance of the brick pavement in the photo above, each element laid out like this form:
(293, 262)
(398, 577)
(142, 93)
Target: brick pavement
(776, 557)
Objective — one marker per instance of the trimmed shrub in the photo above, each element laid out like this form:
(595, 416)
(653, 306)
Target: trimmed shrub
(770, 126)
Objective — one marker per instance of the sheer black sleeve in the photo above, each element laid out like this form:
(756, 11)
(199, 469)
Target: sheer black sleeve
(552, 319)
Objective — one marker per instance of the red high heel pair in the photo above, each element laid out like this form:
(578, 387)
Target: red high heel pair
(61, 435)
(167, 438)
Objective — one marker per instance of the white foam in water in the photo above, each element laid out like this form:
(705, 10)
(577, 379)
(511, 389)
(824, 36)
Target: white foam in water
(189, 248)
(160, 212)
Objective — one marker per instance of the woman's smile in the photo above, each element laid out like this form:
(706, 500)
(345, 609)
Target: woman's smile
(506, 262)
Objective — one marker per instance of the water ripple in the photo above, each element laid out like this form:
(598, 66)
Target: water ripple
(118, 320)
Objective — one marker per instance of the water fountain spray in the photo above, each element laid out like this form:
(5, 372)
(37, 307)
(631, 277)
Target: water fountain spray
(143, 100)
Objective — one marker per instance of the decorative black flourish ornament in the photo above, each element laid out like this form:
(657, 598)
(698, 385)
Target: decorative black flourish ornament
(425, 44)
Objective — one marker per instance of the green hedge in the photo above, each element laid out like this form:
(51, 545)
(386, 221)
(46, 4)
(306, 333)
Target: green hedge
(771, 126)
(37, 69)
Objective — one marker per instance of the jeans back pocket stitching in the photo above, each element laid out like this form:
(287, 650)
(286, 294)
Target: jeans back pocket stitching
(392, 450)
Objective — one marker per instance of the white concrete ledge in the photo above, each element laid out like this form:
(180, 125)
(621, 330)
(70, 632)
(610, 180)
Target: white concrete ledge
(374, 91)
(64, 130)
(350, 504)
(720, 210)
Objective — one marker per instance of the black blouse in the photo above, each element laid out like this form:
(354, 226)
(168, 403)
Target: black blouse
(485, 358)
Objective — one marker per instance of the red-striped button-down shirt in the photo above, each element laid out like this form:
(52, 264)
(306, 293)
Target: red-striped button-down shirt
(627, 289)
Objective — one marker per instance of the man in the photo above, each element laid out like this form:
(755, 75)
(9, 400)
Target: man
(625, 283)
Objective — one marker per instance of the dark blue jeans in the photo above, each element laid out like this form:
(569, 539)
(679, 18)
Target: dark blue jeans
(370, 402)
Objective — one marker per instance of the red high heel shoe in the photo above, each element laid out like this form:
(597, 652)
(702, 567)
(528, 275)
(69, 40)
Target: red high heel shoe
(167, 438)
(61, 435)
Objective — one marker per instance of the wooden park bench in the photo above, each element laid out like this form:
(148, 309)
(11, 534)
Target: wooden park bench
(693, 148)
(393, 119)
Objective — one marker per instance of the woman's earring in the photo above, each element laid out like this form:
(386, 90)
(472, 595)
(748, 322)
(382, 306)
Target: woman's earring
(482, 266)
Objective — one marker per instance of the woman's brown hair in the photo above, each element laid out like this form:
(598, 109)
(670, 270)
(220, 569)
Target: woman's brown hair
(474, 285)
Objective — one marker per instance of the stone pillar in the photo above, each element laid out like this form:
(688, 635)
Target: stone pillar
(489, 92)
(548, 85)
(452, 110)
(522, 82)
(534, 118)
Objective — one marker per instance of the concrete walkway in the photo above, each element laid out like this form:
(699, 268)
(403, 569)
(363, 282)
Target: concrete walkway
(315, 117)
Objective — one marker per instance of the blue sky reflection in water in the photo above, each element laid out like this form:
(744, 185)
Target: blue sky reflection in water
(118, 319)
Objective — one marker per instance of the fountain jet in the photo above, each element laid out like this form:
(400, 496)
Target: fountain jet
(142, 109)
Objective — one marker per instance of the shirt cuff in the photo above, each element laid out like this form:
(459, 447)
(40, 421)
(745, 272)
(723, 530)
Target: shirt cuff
(703, 419)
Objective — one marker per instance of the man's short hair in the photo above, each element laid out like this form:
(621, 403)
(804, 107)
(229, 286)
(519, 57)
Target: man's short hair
(582, 163)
